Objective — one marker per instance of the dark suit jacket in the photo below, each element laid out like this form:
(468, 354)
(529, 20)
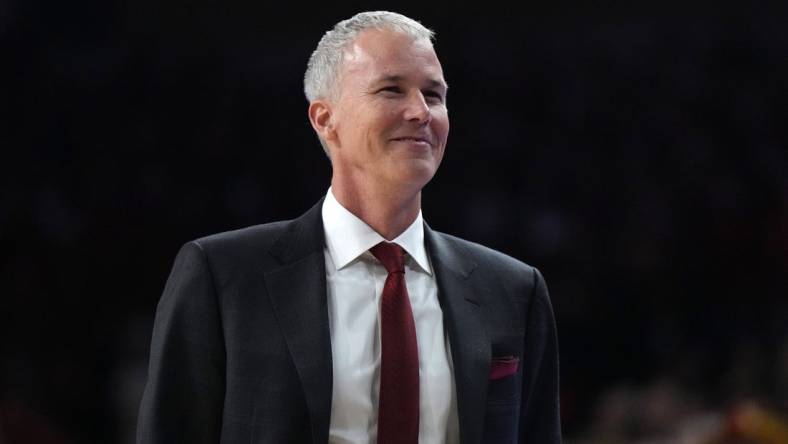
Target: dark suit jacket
(241, 348)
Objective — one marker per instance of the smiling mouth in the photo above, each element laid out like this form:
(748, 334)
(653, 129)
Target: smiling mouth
(412, 139)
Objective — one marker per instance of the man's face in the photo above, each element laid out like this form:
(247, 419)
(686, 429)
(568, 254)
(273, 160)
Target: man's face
(389, 117)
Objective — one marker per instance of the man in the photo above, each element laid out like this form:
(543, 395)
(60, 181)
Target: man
(356, 323)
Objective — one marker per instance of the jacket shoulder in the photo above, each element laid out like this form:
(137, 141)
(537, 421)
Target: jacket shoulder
(233, 253)
(255, 236)
(486, 257)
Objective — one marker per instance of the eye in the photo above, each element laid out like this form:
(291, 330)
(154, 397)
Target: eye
(433, 96)
(392, 89)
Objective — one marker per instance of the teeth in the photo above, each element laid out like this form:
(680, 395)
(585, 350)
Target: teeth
(414, 139)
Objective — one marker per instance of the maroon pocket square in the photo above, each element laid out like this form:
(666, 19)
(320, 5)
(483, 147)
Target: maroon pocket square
(503, 367)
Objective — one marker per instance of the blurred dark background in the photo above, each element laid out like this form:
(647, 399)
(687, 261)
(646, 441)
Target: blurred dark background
(637, 156)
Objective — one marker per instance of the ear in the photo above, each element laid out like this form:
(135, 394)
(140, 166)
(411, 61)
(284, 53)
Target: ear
(320, 116)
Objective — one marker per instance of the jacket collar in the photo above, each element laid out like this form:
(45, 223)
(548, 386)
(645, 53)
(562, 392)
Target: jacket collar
(459, 291)
(297, 289)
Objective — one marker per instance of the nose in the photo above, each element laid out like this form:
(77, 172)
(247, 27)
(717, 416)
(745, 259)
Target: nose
(416, 109)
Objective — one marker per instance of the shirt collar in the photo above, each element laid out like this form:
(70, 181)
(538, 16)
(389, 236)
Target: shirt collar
(348, 237)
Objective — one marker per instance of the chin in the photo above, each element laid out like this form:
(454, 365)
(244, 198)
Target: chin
(417, 176)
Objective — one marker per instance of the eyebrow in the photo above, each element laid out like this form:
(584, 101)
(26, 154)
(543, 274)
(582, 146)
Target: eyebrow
(396, 78)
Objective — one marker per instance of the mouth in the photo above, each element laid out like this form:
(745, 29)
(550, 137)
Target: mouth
(416, 140)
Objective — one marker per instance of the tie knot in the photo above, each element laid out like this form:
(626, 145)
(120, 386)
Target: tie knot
(391, 255)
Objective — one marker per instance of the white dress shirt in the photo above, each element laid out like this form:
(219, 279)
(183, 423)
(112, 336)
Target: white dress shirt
(355, 283)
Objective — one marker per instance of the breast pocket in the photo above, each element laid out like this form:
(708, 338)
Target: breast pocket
(504, 380)
(505, 390)
(501, 418)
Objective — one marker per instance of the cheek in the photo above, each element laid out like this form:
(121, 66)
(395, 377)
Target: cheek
(381, 124)
(441, 124)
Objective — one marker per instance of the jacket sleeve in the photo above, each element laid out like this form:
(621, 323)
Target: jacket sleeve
(540, 421)
(184, 394)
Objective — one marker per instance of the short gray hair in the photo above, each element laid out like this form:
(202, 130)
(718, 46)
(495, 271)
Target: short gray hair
(324, 64)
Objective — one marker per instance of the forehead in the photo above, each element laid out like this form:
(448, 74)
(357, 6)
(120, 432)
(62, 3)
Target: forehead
(379, 53)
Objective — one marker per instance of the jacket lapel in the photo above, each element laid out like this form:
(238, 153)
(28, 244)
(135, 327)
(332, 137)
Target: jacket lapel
(297, 290)
(470, 346)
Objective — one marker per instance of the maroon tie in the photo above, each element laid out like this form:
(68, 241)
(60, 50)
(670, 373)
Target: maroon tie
(398, 407)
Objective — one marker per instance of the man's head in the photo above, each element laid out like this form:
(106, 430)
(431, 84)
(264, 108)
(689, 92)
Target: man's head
(324, 64)
(378, 100)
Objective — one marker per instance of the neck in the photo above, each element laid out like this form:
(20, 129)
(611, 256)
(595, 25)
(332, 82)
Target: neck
(388, 210)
